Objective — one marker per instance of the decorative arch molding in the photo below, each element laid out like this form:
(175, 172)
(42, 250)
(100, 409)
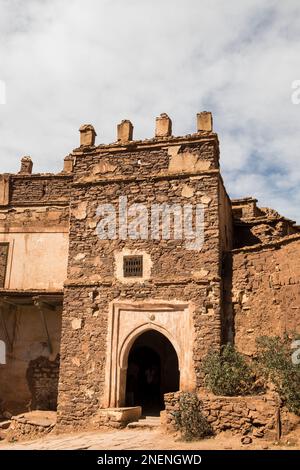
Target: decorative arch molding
(127, 321)
(133, 336)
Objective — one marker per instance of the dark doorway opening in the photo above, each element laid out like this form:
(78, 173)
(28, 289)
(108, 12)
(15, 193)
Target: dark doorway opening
(152, 372)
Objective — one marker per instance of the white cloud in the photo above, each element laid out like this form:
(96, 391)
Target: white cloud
(67, 63)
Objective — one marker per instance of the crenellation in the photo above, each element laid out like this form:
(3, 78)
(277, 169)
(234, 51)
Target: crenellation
(87, 135)
(163, 126)
(26, 166)
(204, 121)
(4, 189)
(69, 162)
(125, 131)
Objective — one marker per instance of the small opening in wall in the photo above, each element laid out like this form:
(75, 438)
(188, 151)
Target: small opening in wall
(133, 266)
(209, 309)
(237, 213)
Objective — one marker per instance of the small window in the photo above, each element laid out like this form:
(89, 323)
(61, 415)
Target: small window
(3, 263)
(238, 213)
(133, 266)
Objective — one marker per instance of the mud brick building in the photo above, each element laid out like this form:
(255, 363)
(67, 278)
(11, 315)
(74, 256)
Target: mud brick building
(91, 323)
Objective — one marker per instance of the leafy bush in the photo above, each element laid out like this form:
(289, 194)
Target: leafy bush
(189, 418)
(275, 359)
(227, 373)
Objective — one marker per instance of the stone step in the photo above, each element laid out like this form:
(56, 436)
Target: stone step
(148, 422)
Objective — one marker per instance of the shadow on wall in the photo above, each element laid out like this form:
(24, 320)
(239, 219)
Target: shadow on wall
(42, 377)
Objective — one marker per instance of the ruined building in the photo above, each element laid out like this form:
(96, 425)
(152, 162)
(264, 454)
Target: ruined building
(91, 323)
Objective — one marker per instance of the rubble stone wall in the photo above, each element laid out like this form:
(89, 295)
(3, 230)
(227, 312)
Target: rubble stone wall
(39, 189)
(84, 345)
(42, 377)
(32, 425)
(257, 416)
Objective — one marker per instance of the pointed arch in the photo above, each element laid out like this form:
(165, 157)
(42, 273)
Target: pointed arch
(133, 336)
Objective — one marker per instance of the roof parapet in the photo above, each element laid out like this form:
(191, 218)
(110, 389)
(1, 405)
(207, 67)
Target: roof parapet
(87, 135)
(204, 121)
(163, 126)
(26, 166)
(125, 131)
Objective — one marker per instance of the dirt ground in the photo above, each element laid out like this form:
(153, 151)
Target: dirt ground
(143, 439)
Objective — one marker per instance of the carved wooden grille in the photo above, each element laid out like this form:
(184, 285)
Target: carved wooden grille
(133, 266)
(3, 262)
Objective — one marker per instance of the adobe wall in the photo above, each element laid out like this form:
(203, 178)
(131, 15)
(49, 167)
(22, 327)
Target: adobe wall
(44, 260)
(172, 171)
(34, 221)
(29, 379)
(265, 291)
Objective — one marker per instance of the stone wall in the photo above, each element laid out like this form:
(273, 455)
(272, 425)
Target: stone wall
(265, 291)
(178, 171)
(143, 177)
(84, 347)
(39, 189)
(256, 416)
(168, 257)
(177, 155)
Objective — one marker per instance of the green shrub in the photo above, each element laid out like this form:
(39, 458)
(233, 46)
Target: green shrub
(275, 359)
(227, 373)
(189, 418)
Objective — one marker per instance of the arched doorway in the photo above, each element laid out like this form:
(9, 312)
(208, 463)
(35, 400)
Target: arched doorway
(152, 371)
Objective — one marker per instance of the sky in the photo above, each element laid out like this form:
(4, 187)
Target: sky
(70, 62)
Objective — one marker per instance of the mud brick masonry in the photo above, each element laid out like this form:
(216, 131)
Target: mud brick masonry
(78, 328)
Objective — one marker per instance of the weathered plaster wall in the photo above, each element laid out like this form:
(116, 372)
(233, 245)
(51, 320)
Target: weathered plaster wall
(36, 260)
(29, 378)
(38, 246)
